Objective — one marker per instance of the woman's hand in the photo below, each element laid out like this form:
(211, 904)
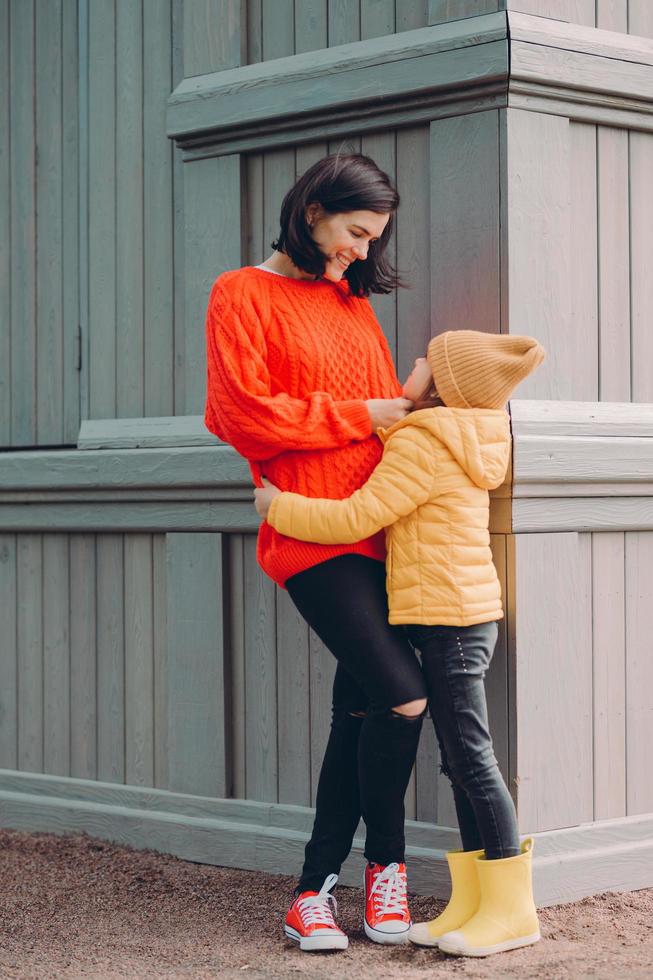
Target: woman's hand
(264, 496)
(384, 412)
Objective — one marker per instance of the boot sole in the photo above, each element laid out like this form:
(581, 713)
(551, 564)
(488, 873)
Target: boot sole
(453, 950)
(426, 943)
(385, 938)
(316, 944)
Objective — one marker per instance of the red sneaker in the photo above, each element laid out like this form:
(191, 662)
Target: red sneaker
(387, 919)
(310, 921)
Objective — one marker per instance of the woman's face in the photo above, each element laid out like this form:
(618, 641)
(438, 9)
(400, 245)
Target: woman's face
(344, 238)
(418, 380)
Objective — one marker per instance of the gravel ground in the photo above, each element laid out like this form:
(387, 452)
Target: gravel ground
(77, 907)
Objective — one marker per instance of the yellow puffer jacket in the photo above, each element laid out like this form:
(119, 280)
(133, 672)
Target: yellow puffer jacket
(430, 492)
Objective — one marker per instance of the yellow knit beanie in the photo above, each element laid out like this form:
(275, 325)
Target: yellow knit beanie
(472, 369)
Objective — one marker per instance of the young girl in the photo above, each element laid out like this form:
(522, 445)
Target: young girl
(430, 493)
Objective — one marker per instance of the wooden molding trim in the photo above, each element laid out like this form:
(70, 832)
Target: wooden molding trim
(490, 61)
(383, 82)
(568, 864)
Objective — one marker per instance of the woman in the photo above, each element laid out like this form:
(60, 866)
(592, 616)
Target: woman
(300, 377)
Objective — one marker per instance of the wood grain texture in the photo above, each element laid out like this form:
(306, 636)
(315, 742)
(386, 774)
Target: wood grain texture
(640, 18)
(609, 673)
(139, 661)
(553, 670)
(539, 245)
(161, 668)
(639, 671)
(575, 11)
(614, 265)
(29, 638)
(212, 35)
(294, 704)
(60, 686)
(261, 714)
(5, 230)
(110, 658)
(195, 664)
(9, 659)
(88, 707)
(641, 281)
(443, 10)
(235, 666)
(583, 341)
(465, 223)
(612, 15)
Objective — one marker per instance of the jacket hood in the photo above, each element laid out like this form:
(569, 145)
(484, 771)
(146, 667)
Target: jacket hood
(477, 438)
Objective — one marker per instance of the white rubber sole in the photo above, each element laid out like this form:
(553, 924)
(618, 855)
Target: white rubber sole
(386, 938)
(455, 950)
(427, 942)
(316, 944)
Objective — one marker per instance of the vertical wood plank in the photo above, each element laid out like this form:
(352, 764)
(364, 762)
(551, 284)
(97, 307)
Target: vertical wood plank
(29, 632)
(553, 669)
(70, 193)
(640, 18)
(582, 342)
(196, 697)
(5, 232)
(56, 656)
(426, 775)
(344, 22)
(612, 15)
(212, 196)
(158, 231)
(639, 671)
(179, 225)
(102, 215)
(410, 16)
(413, 247)
(82, 194)
(85, 712)
(256, 249)
(161, 671)
(539, 245)
(377, 18)
(254, 31)
(293, 703)
(382, 148)
(310, 25)
(614, 265)
(496, 683)
(444, 10)
(609, 672)
(23, 223)
(49, 271)
(278, 29)
(307, 155)
(262, 762)
(139, 662)
(278, 178)
(464, 196)
(322, 671)
(110, 658)
(235, 660)
(129, 209)
(8, 660)
(641, 248)
(212, 35)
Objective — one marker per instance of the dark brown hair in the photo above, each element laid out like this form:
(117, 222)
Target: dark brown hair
(341, 183)
(428, 399)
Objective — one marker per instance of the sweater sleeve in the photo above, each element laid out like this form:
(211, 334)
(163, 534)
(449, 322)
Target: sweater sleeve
(400, 483)
(243, 410)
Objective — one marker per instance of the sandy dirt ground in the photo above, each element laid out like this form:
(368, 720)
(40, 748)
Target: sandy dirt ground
(77, 907)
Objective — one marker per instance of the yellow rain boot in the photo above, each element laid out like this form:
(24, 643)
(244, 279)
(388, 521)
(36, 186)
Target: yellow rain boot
(464, 901)
(506, 917)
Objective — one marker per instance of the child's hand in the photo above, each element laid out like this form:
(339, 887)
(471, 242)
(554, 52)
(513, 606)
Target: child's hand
(264, 497)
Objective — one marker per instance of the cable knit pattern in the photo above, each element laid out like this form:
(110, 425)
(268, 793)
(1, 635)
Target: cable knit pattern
(290, 363)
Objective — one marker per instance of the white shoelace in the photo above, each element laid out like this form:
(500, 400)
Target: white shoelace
(389, 889)
(316, 910)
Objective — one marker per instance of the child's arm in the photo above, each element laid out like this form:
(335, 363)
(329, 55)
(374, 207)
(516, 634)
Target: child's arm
(399, 484)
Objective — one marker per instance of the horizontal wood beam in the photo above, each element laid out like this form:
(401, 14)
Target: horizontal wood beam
(386, 81)
(568, 864)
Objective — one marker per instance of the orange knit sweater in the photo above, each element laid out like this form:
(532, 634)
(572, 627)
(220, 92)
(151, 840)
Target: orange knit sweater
(290, 364)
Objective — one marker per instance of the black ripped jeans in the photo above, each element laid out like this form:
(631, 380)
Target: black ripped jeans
(454, 661)
(371, 749)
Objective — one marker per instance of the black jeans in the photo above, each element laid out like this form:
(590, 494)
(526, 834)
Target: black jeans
(454, 661)
(371, 748)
